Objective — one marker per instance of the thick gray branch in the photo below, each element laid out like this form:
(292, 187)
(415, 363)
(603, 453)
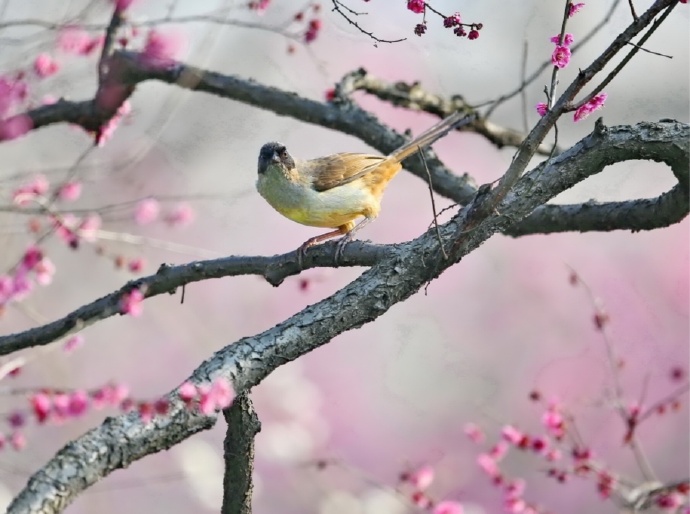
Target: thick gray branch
(401, 272)
(608, 146)
(238, 454)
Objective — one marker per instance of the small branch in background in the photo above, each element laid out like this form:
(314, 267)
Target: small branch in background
(238, 454)
(632, 10)
(338, 7)
(415, 97)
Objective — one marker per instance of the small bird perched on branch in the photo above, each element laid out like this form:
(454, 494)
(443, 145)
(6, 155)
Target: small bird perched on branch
(335, 190)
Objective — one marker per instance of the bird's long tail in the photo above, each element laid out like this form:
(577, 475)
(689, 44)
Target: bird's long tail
(432, 135)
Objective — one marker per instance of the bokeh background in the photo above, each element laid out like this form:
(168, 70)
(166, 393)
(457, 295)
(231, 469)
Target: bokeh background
(395, 393)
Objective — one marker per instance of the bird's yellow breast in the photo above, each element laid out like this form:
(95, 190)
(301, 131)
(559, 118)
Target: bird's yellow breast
(298, 201)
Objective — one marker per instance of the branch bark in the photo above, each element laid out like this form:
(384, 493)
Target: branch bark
(243, 425)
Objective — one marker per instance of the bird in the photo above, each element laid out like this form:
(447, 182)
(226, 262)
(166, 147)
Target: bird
(335, 190)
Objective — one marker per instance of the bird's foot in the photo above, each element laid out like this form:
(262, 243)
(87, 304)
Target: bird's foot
(340, 247)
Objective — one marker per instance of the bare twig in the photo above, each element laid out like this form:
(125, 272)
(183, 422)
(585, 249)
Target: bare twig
(338, 7)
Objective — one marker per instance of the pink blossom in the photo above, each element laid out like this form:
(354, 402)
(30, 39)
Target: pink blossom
(594, 104)
(259, 5)
(122, 5)
(161, 406)
(514, 505)
(45, 65)
(61, 406)
(108, 129)
(511, 434)
(488, 465)
(78, 403)
(132, 303)
(516, 488)
(16, 419)
(416, 6)
(448, 507)
(69, 191)
(223, 392)
(18, 440)
(162, 48)
(41, 405)
(219, 395)
(499, 450)
(421, 500)
(6, 289)
(422, 478)
(553, 421)
(561, 56)
(65, 227)
(669, 501)
(89, 226)
(22, 286)
(187, 392)
(542, 108)
(182, 214)
(312, 30)
(474, 433)
(12, 93)
(73, 40)
(553, 455)
(32, 256)
(44, 271)
(145, 411)
(146, 211)
(567, 39)
(38, 186)
(136, 265)
(452, 21)
(15, 126)
(110, 394)
(574, 8)
(73, 343)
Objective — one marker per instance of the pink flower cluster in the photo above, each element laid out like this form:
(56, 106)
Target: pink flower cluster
(106, 131)
(313, 29)
(132, 303)
(594, 104)
(163, 48)
(575, 8)
(147, 211)
(77, 41)
(416, 6)
(561, 54)
(420, 480)
(209, 398)
(17, 285)
(13, 93)
(58, 406)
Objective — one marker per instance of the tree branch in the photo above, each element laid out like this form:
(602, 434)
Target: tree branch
(168, 278)
(415, 97)
(399, 273)
(238, 453)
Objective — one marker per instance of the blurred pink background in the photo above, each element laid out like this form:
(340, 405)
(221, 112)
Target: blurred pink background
(396, 393)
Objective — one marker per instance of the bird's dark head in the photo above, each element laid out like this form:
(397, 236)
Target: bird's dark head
(274, 153)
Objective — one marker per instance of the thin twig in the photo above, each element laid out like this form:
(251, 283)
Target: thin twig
(433, 205)
(336, 8)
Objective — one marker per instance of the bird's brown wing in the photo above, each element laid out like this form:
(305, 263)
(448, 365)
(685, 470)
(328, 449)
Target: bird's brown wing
(340, 168)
